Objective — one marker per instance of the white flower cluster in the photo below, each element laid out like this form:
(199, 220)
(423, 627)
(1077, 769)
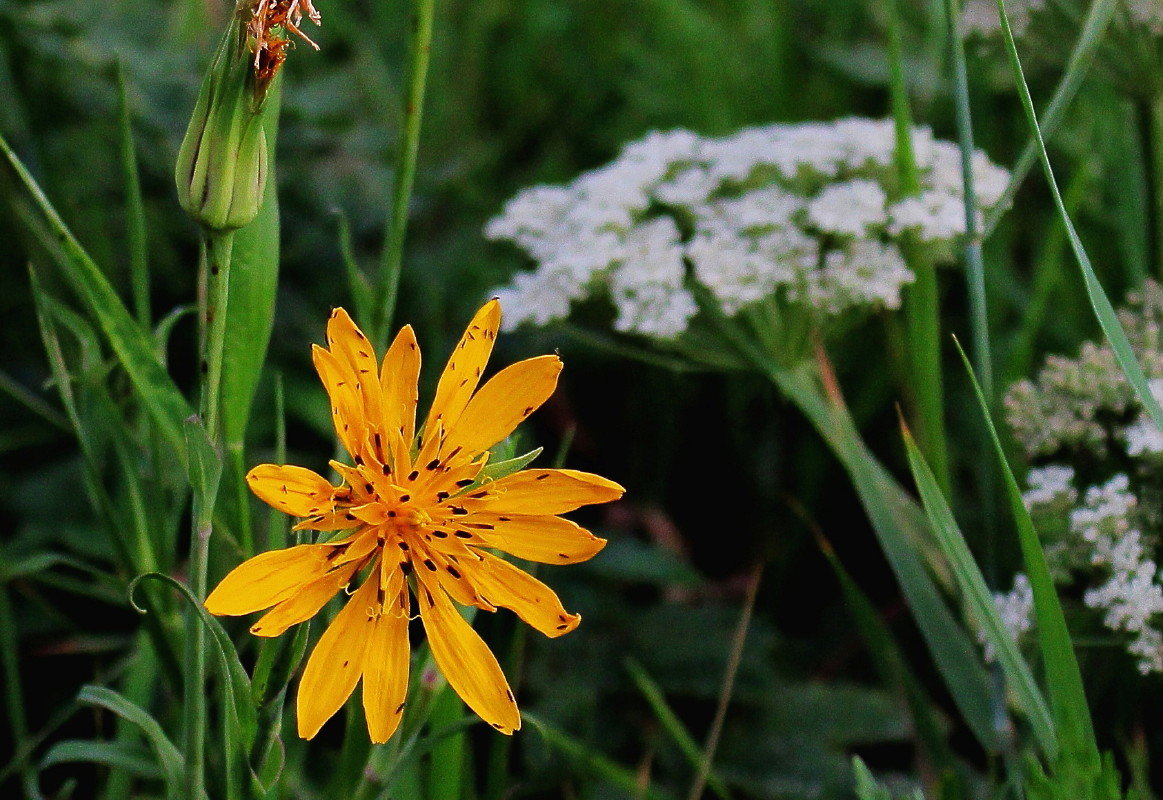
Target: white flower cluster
(805, 213)
(1016, 609)
(1097, 497)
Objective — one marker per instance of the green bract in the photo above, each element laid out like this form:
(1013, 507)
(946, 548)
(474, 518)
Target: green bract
(222, 164)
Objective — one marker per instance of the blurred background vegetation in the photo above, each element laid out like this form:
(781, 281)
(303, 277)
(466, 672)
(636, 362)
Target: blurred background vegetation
(722, 475)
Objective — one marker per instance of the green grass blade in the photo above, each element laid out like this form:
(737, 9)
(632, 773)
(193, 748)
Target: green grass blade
(980, 601)
(1063, 677)
(672, 724)
(902, 531)
(239, 706)
(921, 302)
(134, 207)
(115, 755)
(130, 342)
(169, 760)
(1081, 57)
(890, 662)
(1103, 310)
(601, 766)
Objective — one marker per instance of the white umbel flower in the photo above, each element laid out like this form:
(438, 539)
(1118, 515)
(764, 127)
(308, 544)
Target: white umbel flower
(786, 213)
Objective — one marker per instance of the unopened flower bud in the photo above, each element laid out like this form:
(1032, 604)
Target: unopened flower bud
(222, 164)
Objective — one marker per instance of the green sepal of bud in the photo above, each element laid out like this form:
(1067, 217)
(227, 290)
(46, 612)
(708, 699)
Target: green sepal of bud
(222, 165)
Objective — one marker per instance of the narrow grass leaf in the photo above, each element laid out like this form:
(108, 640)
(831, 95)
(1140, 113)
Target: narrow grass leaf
(134, 207)
(1104, 311)
(618, 776)
(1063, 678)
(169, 759)
(980, 601)
(234, 677)
(890, 662)
(131, 343)
(115, 755)
(1081, 57)
(670, 722)
(902, 531)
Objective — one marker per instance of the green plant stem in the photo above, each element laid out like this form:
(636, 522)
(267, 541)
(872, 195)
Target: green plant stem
(419, 50)
(922, 304)
(974, 265)
(217, 262)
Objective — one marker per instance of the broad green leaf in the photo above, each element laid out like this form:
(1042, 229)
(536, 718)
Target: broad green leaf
(1064, 685)
(169, 760)
(250, 308)
(980, 601)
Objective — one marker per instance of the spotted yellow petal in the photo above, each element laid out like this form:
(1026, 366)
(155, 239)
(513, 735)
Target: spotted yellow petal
(464, 369)
(547, 539)
(466, 661)
(337, 661)
(399, 377)
(293, 490)
(506, 586)
(268, 579)
(541, 491)
(304, 603)
(346, 402)
(355, 354)
(504, 402)
(385, 664)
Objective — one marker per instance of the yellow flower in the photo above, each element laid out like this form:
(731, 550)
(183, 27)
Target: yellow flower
(419, 519)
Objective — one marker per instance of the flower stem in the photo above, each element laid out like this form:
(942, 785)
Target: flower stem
(217, 264)
(419, 50)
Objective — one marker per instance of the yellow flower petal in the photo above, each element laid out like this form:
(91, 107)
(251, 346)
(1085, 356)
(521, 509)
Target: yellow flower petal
(337, 661)
(550, 540)
(465, 366)
(399, 378)
(268, 579)
(508, 587)
(505, 402)
(346, 402)
(385, 664)
(355, 354)
(293, 490)
(540, 491)
(465, 660)
(304, 603)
